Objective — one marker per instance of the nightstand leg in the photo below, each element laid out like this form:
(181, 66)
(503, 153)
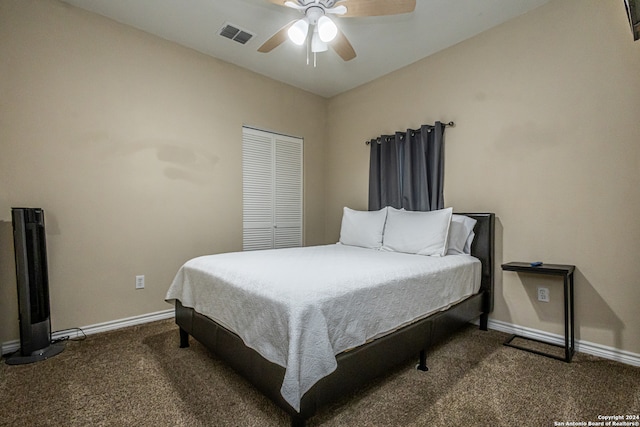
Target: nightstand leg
(573, 345)
(568, 317)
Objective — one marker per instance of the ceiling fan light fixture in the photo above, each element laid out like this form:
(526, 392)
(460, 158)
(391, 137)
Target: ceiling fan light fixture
(327, 29)
(317, 45)
(298, 32)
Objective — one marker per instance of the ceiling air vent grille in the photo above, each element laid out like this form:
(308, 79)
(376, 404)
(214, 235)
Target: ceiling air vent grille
(231, 31)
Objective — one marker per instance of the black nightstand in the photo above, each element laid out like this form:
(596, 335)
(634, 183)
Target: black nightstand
(566, 271)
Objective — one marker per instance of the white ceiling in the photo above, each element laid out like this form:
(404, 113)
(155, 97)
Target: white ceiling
(383, 44)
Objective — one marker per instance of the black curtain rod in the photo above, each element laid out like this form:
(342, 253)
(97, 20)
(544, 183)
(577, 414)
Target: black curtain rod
(450, 124)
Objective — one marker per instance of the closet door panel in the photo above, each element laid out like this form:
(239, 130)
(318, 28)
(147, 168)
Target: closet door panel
(272, 190)
(288, 192)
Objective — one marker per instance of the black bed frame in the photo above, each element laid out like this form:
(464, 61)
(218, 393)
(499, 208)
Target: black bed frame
(359, 366)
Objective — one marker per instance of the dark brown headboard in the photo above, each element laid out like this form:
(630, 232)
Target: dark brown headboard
(483, 248)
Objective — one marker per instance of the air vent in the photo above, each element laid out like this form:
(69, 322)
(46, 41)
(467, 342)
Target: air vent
(231, 31)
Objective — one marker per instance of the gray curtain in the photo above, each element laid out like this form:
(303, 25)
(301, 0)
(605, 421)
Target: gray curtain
(406, 170)
(385, 171)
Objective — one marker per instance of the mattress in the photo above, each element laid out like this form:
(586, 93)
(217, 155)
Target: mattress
(300, 307)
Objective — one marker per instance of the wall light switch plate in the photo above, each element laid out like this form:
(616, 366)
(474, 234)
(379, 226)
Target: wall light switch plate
(140, 282)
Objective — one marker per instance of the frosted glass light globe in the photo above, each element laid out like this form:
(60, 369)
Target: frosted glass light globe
(327, 29)
(298, 32)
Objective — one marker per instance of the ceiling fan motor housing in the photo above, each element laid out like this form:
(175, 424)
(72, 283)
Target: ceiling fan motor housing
(314, 13)
(325, 3)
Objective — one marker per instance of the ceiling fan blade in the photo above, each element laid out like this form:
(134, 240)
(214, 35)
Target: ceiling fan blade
(357, 8)
(342, 47)
(289, 3)
(338, 10)
(277, 39)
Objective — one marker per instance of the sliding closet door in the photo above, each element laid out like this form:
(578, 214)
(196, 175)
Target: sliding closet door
(272, 190)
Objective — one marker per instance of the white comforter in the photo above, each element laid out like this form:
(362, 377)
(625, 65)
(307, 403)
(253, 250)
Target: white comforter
(300, 307)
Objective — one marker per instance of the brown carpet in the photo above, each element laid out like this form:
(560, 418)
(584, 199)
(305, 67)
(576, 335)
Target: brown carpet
(139, 377)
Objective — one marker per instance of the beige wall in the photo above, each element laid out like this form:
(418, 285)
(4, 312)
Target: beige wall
(547, 136)
(132, 145)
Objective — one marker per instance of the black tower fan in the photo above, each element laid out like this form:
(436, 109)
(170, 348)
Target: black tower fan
(32, 278)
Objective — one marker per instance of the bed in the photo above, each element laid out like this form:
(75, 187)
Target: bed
(298, 352)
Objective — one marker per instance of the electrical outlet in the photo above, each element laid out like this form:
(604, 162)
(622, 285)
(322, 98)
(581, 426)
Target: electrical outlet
(140, 282)
(543, 294)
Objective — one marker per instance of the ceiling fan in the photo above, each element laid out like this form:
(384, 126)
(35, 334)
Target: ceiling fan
(318, 29)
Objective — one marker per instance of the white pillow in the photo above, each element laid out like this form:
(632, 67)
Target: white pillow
(363, 228)
(461, 235)
(422, 233)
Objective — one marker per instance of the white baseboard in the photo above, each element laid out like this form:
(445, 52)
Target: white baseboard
(12, 346)
(587, 347)
(582, 346)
